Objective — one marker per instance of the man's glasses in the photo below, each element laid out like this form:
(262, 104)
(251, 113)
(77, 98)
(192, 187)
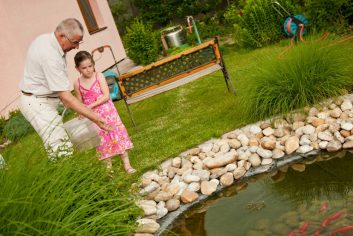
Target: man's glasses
(73, 42)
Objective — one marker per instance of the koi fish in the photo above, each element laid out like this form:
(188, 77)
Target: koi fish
(323, 207)
(317, 233)
(325, 222)
(334, 216)
(292, 233)
(340, 230)
(303, 228)
(337, 215)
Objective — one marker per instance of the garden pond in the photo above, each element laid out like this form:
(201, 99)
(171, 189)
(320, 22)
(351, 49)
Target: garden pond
(311, 197)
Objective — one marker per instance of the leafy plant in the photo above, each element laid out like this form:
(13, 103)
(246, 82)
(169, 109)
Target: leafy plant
(261, 24)
(308, 74)
(122, 15)
(141, 43)
(331, 15)
(16, 127)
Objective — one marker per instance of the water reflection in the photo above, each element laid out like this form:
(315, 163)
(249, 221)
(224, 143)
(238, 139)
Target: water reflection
(313, 196)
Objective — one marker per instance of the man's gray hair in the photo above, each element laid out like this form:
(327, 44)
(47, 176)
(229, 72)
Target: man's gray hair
(70, 27)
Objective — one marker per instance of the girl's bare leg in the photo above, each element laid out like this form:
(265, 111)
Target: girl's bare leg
(127, 166)
(109, 164)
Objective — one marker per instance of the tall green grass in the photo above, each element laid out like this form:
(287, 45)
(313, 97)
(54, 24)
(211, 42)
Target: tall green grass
(68, 197)
(307, 74)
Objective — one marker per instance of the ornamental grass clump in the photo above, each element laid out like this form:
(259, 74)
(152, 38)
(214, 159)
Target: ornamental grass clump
(306, 74)
(67, 197)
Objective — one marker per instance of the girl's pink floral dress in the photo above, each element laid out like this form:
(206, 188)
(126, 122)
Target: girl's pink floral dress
(113, 142)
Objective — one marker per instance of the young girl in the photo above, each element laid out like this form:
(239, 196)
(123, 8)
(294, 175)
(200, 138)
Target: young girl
(92, 89)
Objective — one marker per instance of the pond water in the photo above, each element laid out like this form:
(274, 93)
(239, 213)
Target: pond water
(312, 197)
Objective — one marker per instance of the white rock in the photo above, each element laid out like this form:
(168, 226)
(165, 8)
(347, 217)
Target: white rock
(166, 164)
(348, 144)
(322, 115)
(161, 212)
(163, 196)
(333, 146)
(244, 140)
(304, 149)
(277, 153)
(206, 147)
(227, 179)
(220, 160)
(335, 113)
(147, 226)
(208, 187)
(323, 144)
(291, 144)
(346, 105)
(194, 187)
(230, 167)
(325, 135)
(188, 196)
(234, 143)
(304, 140)
(347, 126)
(268, 131)
(150, 188)
(264, 153)
(172, 204)
(225, 148)
(339, 137)
(176, 162)
(309, 129)
(255, 129)
(239, 172)
(203, 174)
(191, 178)
(266, 161)
(215, 181)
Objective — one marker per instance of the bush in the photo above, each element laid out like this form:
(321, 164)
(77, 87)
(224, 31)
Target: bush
(210, 28)
(17, 126)
(68, 197)
(309, 73)
(330, 15)
(141, 43)
(261, 24)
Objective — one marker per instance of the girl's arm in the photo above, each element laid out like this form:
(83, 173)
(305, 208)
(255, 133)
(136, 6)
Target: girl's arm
(77, 91)
(105, 90)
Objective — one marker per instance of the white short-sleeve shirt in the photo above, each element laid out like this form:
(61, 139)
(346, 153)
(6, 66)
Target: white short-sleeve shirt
(45, 70)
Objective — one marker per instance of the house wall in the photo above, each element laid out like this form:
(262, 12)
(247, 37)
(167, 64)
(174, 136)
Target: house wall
(23, 20)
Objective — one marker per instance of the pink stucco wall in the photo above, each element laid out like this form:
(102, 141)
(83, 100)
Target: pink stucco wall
(22, 20)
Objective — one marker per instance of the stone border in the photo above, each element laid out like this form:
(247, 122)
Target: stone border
(245, 152)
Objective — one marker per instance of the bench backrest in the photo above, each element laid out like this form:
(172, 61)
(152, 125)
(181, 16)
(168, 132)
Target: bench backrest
(163, 75)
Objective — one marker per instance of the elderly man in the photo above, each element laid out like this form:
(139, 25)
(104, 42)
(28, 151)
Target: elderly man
(46, 82)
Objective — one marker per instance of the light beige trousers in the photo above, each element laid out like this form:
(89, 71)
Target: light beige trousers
(43, 115)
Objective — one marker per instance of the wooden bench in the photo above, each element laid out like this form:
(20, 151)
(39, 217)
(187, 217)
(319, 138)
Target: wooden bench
(172, 72)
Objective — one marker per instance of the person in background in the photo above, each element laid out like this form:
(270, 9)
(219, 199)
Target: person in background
(45, 83)
(92, 89)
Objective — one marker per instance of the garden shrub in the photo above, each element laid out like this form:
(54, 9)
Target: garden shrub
(330, 15)
(141, 43)
(2, 125)
(261, 24)
(16, 126)
(309, 73)
(210, 28)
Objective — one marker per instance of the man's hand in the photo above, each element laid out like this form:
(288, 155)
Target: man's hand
(103, 125)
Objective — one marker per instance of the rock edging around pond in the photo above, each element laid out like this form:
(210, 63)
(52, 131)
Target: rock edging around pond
(256, 148)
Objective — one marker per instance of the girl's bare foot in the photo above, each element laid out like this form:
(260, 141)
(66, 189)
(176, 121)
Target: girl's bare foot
(127, 166)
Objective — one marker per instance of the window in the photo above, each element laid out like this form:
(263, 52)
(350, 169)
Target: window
(87, 8)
